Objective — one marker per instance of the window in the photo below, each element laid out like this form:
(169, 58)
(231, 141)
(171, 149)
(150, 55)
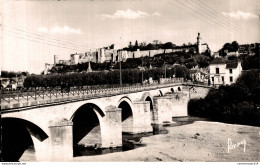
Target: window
(212, 79)
(222, 78)
(230, 70)
(217, 70)
(231, 79)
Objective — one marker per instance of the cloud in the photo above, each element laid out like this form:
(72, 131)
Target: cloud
(126, 14)
(240, 15)
(156, 14)
(60, 30)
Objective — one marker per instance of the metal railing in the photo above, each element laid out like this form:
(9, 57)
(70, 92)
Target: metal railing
(39, 96)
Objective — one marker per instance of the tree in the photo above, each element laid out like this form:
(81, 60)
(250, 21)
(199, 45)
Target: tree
(143, 44)
(136, 43)
(130, 45)
(168, 45)
(235, 46)
(150, 47)
(191, 50)
(228, 46)
(112, 46)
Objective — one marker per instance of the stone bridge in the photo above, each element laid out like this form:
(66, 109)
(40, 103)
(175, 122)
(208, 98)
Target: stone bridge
(53, 129)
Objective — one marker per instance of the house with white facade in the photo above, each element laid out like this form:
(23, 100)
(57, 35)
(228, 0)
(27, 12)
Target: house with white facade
(224, 72)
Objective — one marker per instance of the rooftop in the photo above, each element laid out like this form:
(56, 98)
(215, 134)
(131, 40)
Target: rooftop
(218, 61)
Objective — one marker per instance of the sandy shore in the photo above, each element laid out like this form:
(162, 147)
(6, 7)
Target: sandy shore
(199, 141)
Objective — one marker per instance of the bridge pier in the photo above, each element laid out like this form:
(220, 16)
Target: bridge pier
(40, 149)
(168, 106)
(142, 118)
(180, 104)
(60, 146)
(162, 109)
(111, 128)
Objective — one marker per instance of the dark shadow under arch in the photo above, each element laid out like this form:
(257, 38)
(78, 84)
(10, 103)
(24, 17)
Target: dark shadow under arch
(125, 97)
(126, 110)
(86, 127)
(16, 137)
(148, 98)
(161, 94)
(172, 90)
(89, 105)
(127, 116)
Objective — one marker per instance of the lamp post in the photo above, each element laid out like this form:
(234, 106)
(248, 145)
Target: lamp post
(120, 58)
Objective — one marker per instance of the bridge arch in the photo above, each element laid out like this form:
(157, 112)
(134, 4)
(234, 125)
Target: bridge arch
(127, 114)
(147, 97)
(87, 127)
(160, 93)
(17, 142)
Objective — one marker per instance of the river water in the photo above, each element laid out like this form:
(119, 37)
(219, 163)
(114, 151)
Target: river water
(131, 142)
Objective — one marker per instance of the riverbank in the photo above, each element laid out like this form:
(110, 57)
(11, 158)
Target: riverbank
(198, 141)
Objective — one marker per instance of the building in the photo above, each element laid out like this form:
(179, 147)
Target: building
(110, 54)
(199, 43)
(216, 55)
(199, 74)
(224, 72)
(249, 49)
(201, 48)
(229, 54)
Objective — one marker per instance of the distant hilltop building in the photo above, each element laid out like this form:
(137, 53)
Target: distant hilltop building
(110, 54)
(245, 49)
(249, 49)
(201, 47)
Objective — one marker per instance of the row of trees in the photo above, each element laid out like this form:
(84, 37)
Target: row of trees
(237, 103)
(129, 76)
(230, 47)
(7, 74)
(61, 68)
(151, 46)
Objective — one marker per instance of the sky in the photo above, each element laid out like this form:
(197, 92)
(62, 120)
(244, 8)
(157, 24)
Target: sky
(32, 32)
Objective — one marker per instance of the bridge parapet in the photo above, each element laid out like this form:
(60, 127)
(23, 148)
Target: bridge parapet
(42, 98)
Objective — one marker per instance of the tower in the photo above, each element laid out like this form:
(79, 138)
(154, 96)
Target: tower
(56, 59)
(101, 55)
(199, 43)
(89, 67)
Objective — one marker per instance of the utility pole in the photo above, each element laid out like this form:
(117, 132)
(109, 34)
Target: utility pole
(174, 71)
(120, 58)
(142, 71)
(164, 69)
